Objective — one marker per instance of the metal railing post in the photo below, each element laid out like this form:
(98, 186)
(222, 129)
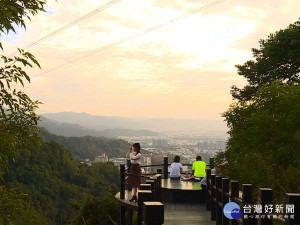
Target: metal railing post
(213, 198)
(208, 189)
(266, 198)
(234, 186)
(122, 193)
(225, 198)
(153, 213)
(143, 196)
(247, 201)
(166, 168)
(219, 208)
(293, 199)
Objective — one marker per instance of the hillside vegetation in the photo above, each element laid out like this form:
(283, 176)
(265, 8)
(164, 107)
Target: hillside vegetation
(90, 147)
(49, 187)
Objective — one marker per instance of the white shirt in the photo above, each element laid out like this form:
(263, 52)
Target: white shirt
(175, 169)
(135, 158)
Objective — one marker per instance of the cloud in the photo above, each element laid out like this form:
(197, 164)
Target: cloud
(184, 69)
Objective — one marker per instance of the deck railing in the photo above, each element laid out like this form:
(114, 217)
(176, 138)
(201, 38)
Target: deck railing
(150, 210)
(220, 191)
(149, 207)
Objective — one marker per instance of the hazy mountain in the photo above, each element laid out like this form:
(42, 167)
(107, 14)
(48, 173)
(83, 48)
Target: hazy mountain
(75, 130)
(166, 125)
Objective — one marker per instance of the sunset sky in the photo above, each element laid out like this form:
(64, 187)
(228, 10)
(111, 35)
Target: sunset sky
(181, 70)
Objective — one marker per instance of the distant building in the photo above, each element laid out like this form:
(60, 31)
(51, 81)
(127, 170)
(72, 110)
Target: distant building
(101, 158)
(159, 143)
(146, 161)
(215, 146)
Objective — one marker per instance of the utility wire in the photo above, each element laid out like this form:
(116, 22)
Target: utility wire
(174, 20)
(80, 19)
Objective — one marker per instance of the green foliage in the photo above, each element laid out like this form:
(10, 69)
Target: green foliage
(17, 111)
(59, 187)
(90, 147)
(277, 58)
(99, 210)
(14, 13)
(53, 184)
(10, 205)
(264, 144)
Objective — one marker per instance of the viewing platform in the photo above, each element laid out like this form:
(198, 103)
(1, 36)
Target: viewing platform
(176, 213)
(178, 191)
(177, 202)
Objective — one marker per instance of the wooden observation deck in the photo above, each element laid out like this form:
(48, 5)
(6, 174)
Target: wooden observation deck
(176, 202)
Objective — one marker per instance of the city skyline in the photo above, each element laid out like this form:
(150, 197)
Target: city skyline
(181, 70)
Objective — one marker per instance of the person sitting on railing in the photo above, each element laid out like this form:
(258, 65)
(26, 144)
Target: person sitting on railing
(198, 169)
(134, 177)
(204, 180)
(176, 168)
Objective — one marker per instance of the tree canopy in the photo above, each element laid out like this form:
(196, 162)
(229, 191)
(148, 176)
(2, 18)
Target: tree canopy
(278, 58)
(90, 147)
(18, 119)
(49, 187)
(264, 143)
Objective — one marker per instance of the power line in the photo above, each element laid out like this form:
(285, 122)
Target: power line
(61, 29)
(174, 20)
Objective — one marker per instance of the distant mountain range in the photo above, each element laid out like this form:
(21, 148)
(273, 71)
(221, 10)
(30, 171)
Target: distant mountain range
(74, 130)
(78, 124)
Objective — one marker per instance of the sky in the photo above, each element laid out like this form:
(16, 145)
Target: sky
(183, 69)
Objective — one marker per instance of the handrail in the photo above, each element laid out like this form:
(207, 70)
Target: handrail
(218, 194)
(152, 197)
(220, 191)
(152, 165)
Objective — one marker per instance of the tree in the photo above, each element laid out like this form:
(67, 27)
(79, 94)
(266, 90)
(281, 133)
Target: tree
(277, 59)
(98, 210)
(18, 119)
(263, 121)
(264, 144)
(10, 205)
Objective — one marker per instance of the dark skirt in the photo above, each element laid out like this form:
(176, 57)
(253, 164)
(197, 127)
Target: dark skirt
(135, 175)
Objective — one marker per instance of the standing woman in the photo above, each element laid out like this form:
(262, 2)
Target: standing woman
(135, 171)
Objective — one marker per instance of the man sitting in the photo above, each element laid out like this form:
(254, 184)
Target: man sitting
(199, 169)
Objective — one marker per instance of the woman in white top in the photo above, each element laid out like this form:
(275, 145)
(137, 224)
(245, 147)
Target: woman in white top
(135, 171)
(176, 168)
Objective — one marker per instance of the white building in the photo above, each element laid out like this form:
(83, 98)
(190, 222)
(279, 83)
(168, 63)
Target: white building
(101, 158)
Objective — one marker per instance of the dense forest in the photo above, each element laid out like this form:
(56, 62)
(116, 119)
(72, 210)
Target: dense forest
(47, 186)
(90, 147)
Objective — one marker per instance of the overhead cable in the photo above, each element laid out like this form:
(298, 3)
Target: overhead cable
(63, 28)
(174, 20)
